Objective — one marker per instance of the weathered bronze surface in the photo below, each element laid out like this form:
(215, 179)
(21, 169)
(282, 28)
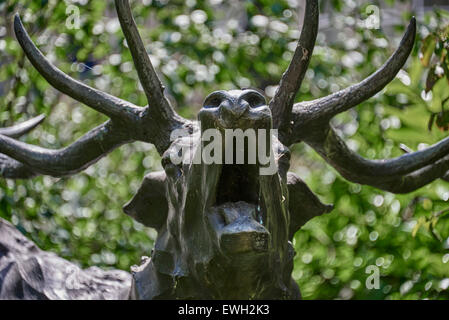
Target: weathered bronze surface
(26, 272)
(224, 230)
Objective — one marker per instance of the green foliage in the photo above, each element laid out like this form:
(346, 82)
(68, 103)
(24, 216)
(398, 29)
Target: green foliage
(434, 56)
(201, 46)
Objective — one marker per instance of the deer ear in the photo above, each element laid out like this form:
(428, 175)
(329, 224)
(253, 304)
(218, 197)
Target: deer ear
(303, 203)
(149, 205)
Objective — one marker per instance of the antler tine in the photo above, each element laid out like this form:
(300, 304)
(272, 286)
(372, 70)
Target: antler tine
(13, 169)
(408, 182)
(72, 159)
(418, 178)
(21, 160)
(20, 129)
(282, 102)
(323, 109)
(160, 107)
(109, 105)
(416, 168)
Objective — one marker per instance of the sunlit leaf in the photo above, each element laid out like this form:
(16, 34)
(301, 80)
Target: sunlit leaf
(427, 49)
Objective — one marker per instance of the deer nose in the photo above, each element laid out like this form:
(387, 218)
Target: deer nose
(232, 109)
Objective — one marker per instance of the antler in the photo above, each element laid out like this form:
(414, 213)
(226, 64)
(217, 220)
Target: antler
(399, 175)
(159, 112)
(282, 102)
(127, 122)
(72, 159)
(100, 101)
(319, 111)
(10, 168)
(309, 121)
(20, 129)
(151, 84)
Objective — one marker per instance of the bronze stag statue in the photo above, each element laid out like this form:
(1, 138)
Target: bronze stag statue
(224, 230)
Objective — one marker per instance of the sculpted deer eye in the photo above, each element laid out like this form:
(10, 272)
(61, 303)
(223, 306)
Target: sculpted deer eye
(212, 102)
(254, 100)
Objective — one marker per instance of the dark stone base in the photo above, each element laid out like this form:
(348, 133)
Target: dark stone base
(26, 272)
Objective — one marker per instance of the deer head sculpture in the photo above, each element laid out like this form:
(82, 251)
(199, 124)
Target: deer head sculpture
(224, 230)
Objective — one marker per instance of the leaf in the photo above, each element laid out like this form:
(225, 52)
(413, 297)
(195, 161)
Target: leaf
(444, 60)
(431, 121)
(444, 33)
(426, 225)
(444, 101)
(427, 49)
(431, 79)
(415, 229)
(443, 55)
(421, 222)
(442, 121)
(434, 221)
